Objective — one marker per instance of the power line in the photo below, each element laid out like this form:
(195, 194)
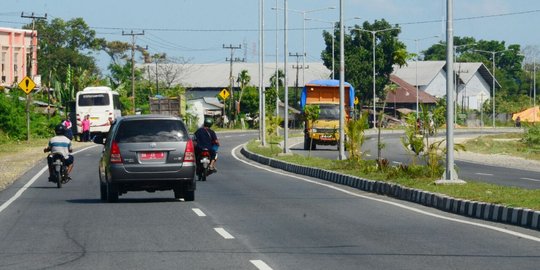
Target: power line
(475, 17)
(294, 29)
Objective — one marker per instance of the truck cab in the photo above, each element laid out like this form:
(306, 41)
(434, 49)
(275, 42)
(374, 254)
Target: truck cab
(325, 94)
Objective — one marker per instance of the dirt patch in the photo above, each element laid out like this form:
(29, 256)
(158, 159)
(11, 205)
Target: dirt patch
(21, 158)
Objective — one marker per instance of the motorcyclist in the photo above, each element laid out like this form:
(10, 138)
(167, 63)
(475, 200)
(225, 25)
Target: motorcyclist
(60, 144)
(206, 138)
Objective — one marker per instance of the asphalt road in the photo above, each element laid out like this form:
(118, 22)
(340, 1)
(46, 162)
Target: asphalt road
(467, 171)
(246, 216)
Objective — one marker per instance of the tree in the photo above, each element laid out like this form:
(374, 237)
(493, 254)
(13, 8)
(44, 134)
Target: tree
(311, 114)
(171, 70)
(281, 77)
(243, 80)
(380, 145)
(359, 56)
(250, 100)
(63, 44)
(116, 50)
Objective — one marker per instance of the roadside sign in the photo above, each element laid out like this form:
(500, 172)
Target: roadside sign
(356, 101)
(224, 94)
(27, 85)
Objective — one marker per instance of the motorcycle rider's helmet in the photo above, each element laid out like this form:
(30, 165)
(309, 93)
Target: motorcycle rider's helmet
(208, 122)
(60, 129)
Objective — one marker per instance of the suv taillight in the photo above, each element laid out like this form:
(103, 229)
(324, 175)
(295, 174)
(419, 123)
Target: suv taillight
(189, 154)
(115, 153)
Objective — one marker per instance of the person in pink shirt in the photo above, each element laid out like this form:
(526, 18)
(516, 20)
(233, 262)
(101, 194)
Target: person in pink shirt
(86, 128)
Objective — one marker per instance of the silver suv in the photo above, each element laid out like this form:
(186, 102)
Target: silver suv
(147, 153)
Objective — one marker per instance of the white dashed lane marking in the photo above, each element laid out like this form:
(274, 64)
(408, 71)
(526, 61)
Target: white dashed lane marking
(486, 174)
(260, 265)
(199, 212)
(224, 233)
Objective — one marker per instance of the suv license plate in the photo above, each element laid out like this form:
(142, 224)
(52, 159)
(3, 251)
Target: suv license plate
(151, 155)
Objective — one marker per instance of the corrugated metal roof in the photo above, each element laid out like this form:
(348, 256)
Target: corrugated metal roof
(406, 93)
(427, 70)
(217, 75)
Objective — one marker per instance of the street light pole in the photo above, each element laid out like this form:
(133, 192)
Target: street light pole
(262, 117)
(374, 84)
(416, 67)
(277, 69)
(333, 24)
(534, 88)
(342, 112)
(373, 33)
(304, 12)
(493, 53)
(285, 83)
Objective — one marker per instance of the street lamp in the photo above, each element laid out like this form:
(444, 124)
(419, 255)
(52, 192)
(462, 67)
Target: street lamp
(493, 53)
(277, 64)
(373, 33)
(304, 12)
(416, 67)
(333, 23)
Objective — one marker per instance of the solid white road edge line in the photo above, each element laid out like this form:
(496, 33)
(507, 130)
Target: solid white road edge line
(531, 179)
(199, 212)
(27, 185)
(224, 233)
(485, 226)
(260, 265)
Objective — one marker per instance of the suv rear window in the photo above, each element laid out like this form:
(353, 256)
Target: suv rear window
(151, 131)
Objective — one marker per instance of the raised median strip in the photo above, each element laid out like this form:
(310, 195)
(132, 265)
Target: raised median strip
(480, 210)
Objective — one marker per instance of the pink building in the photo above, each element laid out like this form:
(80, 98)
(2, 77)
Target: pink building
(15, 47)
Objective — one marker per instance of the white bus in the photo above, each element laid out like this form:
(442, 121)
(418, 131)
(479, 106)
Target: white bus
(101, 104)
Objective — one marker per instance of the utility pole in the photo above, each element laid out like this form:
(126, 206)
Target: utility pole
(132, 34)
(231, 79)
(30, 66)
(298, 68)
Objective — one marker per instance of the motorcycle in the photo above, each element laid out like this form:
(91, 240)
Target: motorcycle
(204, 162)
(58, 171)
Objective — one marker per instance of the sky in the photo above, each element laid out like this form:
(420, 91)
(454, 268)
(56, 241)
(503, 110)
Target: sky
(197, 30)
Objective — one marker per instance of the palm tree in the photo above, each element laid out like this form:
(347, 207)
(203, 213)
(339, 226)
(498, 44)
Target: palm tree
(243, 80)
(281, 76)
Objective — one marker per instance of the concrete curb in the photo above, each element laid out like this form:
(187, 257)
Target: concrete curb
(486, 211)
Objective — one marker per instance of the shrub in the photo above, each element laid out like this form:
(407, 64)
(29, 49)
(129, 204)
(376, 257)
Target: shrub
(13, 120)
(532, 136)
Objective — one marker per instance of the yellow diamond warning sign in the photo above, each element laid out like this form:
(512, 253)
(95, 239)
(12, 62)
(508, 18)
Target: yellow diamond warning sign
(27, 85)
(224, 94)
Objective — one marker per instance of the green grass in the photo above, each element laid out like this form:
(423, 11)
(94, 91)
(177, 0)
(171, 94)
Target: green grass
(18, 146)
(506, 144)
(476, 191)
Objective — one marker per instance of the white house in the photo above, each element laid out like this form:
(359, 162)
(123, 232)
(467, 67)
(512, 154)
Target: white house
(473, 80)
(206, 106)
